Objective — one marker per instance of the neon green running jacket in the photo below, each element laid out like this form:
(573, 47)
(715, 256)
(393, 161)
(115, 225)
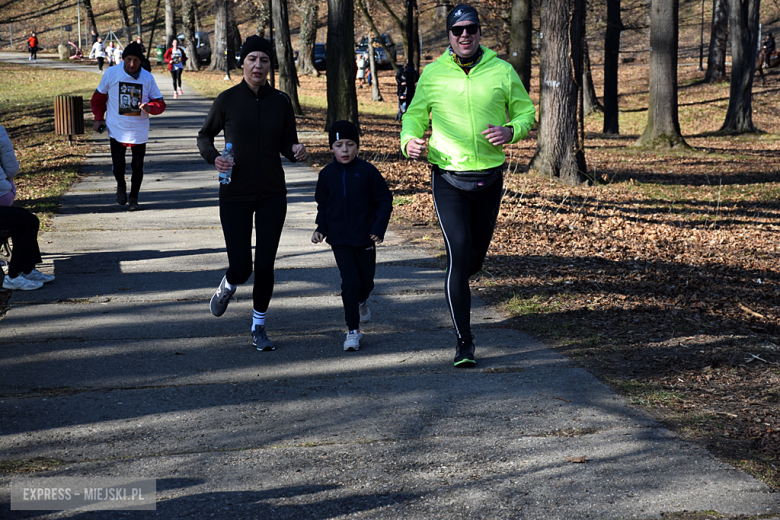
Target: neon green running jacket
(460, 108)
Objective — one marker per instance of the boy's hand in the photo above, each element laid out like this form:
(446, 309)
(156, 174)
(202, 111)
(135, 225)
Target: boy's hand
(317, 237)
(376, 239)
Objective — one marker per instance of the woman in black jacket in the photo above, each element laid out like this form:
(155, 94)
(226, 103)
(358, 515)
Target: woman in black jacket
(259, 122)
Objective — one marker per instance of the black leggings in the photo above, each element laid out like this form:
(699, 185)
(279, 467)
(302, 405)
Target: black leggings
(23, 227)
(467, 220)
(176, 75)
(357, 266)
(236, 218)
(34, 53)
(100, 63)
(136, 165)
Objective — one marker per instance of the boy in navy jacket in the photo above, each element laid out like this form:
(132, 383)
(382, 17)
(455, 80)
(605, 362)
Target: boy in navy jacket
(353, 209)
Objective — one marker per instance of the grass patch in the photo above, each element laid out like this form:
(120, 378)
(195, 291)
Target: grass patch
(402, 201)
(49, 165)
(15, 467)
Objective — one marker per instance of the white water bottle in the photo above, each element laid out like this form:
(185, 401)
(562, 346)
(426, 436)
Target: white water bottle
(227, 154)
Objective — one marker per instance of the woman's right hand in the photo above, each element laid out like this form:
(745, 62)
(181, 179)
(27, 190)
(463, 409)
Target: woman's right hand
(222, 164)
(317, 237)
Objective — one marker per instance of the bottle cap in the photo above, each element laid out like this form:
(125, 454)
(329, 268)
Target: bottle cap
(229, 146)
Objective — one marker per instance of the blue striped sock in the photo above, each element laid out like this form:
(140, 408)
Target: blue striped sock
(258, 318)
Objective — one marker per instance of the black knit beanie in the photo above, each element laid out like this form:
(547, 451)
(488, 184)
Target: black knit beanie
(343, 130)
(133, 50)
(255, 43)
(462, 13)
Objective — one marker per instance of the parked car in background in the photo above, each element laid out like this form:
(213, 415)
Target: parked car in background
(319, 56)
(380, 56)
(202, 46)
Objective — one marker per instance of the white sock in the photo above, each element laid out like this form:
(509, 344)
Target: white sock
(229, 286)
(258, 318)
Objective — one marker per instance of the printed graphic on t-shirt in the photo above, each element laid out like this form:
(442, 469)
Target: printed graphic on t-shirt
(130, 95)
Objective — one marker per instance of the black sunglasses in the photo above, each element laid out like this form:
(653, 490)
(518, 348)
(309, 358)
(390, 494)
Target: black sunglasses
(458, 29)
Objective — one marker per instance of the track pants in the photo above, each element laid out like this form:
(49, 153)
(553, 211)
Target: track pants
(236, 218)
(467, 220)
(136, 165)
(23, 227)
(357, 266)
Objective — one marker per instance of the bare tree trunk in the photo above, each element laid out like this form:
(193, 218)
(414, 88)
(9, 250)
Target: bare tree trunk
(416, 44)
(375, 94)
(155, 21)
(520, 44)
(663, 124)
(590, 100)
(288, 78)
(198, 27)
(743, 20)
(122, 6)
(90, 17)
(190, 44)
(401, 24)
(370, 21)
(308, 37)
(559, 150)
(340, 56)
(719, 40)
(170, 22)
(220, 36)
(611, 59)
(234, 37)
(261, 12)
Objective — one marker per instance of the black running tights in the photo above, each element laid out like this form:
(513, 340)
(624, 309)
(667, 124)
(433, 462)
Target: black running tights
(236, 218)
(23, 228)
(136, 165)
(467, 220)
(176, 75)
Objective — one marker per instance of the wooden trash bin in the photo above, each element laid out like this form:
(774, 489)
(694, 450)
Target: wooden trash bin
(68, 116)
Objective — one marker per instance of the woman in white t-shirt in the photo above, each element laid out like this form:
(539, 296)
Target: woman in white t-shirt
(175, 58)
(110, 54)
(118, 55)
(362, 61)
(98, 52)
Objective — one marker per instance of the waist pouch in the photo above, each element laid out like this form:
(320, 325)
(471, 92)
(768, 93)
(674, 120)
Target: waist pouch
(470, 180)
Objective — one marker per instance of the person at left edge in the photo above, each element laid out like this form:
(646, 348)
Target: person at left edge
(123, 101)
(259, 122)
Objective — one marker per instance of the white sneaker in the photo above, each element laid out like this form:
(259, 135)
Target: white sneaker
(353, 340)
(20, 283)
(37, 276)
(365, 312)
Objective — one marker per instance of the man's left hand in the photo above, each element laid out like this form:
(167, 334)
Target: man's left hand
(498, 135)
(300, 152)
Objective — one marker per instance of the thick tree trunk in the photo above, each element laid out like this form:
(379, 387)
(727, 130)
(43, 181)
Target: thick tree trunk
(663, 124)
(743, 21)
(122, 6)
(309, 13)
(234, 37)
(220, 36)
(409, 52)
(90, 17)
(261, 12)
(170, 22)
(611, 59)
(719, 40)
(340, 56)
(189, 43)
(520, 44)
(559, 151)
(590, 100)
(288, 78)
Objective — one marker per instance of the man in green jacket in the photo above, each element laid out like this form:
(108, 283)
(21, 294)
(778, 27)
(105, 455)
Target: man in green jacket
(468, 94)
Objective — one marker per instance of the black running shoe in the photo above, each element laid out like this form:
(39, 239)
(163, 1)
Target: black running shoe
(464, 353)
(121, 195)
(260, 339)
